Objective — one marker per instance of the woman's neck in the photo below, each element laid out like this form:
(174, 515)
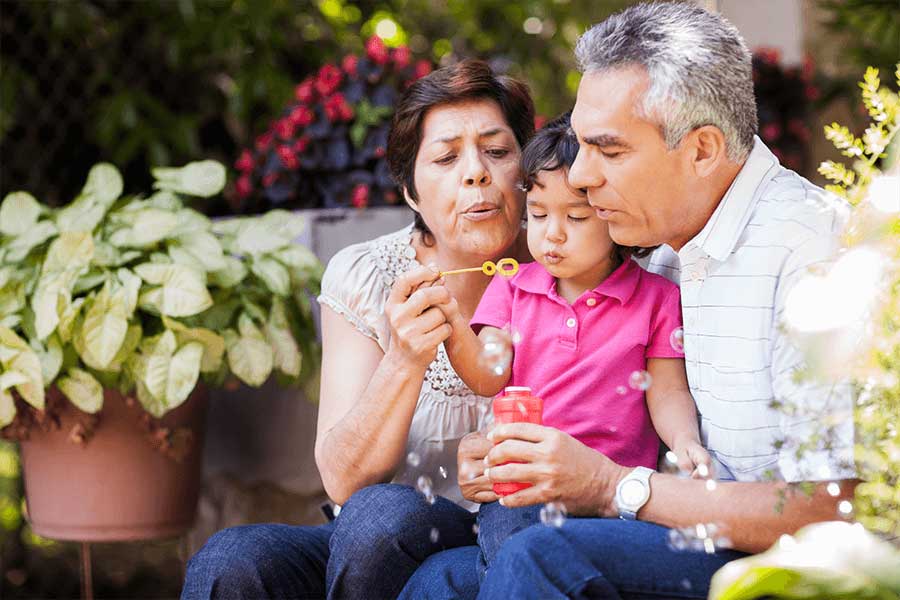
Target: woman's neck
(571, 288)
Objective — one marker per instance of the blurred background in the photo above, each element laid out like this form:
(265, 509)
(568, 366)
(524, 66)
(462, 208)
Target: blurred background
(163, 82)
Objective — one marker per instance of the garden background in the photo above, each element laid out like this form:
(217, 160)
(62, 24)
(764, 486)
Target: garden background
(156, 83)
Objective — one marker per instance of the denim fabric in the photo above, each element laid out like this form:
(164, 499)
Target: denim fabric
(383, 533)
(496, 524)
(451, 574)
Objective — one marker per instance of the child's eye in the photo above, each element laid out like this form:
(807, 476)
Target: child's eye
(577, 219)
(536, 216)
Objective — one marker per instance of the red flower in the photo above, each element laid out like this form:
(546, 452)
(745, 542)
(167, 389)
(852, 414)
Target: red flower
(302, 116)
(269, 179)
(812, 92)
(245, 162)
(360, 196)
(809, 67)
(243, 187)
(376, 50)
(337, 109)
(304, 91)
(401, 56)
(285, 128)
(539, 121)
(422, 68)
(379, 152)
(349, 64)
(300, 145)
(328, 80)
(287, 156)
(263, 141)
(771, 131)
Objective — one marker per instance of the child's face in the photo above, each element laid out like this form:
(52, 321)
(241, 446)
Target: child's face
(564, 232)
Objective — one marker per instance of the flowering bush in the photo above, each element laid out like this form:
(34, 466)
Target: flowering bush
(327, 149)
(783, 98)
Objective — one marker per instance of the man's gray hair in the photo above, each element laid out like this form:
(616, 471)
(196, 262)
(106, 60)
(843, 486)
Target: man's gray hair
(699, 69)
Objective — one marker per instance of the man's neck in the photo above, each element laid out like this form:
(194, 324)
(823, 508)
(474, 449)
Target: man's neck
(713, 192)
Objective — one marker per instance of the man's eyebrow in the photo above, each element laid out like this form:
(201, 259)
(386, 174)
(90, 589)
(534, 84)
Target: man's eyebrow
(604, 140)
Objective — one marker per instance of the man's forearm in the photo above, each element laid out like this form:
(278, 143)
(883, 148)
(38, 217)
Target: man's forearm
(752, 515)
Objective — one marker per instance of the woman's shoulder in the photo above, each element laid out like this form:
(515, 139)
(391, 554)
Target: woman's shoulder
(384, 257)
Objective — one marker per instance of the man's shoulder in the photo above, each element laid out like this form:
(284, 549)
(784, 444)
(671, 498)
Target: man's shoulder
(797, 210)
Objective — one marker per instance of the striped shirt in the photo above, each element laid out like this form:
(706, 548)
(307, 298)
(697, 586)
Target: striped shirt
(756, 418)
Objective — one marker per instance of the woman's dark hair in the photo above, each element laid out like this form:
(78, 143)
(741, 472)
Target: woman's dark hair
(554, 147)
(467, 80)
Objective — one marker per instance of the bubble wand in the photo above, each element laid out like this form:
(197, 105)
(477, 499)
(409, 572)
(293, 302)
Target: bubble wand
(505, 266)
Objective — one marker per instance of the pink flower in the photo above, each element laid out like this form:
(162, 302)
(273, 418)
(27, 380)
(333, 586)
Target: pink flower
(302, 116)
(360, 196)
(285, 128)
(771, 131)
(422, 68)
(349, 64)
(263, 141)
(379, 152)
(337, 109)
(401, 56)
(269, 179)
(376, 50)
(300, 145)
(304, 92)
(539, 121)
(328, 80)
(243, 187)
(245, 162)
(287, 156)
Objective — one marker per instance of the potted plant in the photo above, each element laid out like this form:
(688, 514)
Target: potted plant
(115, 313)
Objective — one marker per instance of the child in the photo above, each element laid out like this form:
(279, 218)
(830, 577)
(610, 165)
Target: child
(589, 325)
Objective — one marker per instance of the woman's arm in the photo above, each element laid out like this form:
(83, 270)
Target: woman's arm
(673, 411)
(368, 397)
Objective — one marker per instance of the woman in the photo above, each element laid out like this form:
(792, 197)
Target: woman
(391, 407)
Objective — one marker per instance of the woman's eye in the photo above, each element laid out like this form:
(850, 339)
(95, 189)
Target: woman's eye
(498, 152)
(446, 160)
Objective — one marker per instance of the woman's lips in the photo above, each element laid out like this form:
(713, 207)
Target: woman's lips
(481, 214)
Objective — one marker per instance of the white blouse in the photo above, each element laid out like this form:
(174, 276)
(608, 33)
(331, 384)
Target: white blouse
(356, 284)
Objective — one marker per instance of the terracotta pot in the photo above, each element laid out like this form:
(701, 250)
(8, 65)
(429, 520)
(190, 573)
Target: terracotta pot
(117, 486)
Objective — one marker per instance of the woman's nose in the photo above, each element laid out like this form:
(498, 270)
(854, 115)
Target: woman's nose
(476, 172)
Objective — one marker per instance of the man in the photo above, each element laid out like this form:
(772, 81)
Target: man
(666, 120)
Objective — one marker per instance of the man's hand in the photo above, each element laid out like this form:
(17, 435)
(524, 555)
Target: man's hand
(475, 486)
(561, 469)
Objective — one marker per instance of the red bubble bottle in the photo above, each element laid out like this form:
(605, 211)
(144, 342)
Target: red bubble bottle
(516, 405)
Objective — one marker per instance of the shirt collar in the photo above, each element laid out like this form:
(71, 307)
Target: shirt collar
(620, 284)
(723, 229)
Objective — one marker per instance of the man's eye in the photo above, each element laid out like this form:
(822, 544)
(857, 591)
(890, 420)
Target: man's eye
(612, 154)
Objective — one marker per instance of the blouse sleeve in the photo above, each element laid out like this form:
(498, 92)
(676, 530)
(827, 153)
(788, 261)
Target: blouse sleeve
(354, 287)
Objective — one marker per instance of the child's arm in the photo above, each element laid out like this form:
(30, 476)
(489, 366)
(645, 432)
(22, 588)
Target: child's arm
(674, 413)
(464, 349)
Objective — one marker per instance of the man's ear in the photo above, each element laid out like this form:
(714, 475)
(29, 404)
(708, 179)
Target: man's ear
(707, 150)
(409, 201)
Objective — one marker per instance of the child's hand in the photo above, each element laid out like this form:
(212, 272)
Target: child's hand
(691, 455)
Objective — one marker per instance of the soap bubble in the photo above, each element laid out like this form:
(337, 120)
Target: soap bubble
(496, 352)
(703, 470)
(434, 535)
(834, 489)
(413, 460)
(845, 508)
(711, 485)
(516, 337)
(475, 529)
(426, 486)
(670, 466)
(621, 390)
(686, 583)
(553, 514)
(336, 510)
(443, 472)
(640, 380)
(702, 537)
(676, 339)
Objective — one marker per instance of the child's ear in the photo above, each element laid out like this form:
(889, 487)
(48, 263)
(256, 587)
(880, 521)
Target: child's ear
(409, 201)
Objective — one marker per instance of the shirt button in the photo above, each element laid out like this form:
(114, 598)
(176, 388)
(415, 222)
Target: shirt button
(570, 322)
(591, 301)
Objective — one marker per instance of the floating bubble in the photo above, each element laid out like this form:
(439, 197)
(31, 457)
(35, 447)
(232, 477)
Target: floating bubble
(516, 337)
(413, 460)
(703, 470)
(702, 537)
(443, 472)
(424, 484)
(475, 529)
(845, 508)
(677, 540)
(553, 514)
(834, 489)
(676, 339)
(711, 485)
(496, 352)
(621, 390)
(640, 380)
(336, 510)
(686, 583)
(430, 498)
(434, 535)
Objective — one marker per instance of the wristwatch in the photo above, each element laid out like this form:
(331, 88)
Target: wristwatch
(633, 492)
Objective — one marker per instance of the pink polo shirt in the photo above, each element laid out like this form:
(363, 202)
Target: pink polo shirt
(578, 357)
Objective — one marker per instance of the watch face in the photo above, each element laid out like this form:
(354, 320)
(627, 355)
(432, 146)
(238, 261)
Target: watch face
(633, 492)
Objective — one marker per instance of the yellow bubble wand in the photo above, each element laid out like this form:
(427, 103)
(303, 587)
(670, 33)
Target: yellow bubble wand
(506, 267)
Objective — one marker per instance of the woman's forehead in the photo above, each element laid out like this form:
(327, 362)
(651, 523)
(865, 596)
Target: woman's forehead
(446, 122)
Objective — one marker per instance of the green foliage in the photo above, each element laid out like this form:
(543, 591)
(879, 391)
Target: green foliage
(146, 294)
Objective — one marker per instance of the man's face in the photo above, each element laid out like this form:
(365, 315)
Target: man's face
(636, 184)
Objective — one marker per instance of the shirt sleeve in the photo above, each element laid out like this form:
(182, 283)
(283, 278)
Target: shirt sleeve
(816, 417)
(353, 287)
(495, 307)
(665, 326)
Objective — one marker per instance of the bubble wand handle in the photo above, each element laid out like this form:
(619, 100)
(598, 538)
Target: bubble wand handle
(505, 266)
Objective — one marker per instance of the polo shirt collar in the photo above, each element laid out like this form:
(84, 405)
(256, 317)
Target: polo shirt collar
(620, 284)
(723, 230)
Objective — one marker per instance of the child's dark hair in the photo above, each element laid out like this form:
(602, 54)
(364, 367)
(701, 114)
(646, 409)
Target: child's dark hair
(553, 147)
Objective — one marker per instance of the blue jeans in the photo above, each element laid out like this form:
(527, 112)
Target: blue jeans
(496, 524)
(382, 535)
(585, 558)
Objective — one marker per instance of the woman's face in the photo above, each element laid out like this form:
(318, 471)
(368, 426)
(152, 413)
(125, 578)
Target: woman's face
(467, 175)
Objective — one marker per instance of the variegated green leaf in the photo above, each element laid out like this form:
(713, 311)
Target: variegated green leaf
(203, 178)
(184, 370)
(20, 246)
(286, 354)
(23, 359)
(7, 408)
(150, 226)
(250, 358)
(273, 274)
(18, 213)
(82, 389)
(182, 293)
(233, 273)
(51, 357)
(213, 343)
(104, 328)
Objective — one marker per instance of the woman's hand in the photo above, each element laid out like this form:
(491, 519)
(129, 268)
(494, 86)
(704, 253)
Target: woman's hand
(417, 323)
(475, 486)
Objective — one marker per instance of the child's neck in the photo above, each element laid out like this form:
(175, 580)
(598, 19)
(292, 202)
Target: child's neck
(571, 288)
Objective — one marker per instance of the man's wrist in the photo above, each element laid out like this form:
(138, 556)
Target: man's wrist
(608, 491)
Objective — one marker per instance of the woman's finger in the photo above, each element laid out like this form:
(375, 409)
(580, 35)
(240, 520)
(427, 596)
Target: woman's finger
(425, 298)
(409, 282)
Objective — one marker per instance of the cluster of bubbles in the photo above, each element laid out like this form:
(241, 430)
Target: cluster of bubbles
(702, 471)
(553, 514)
(496, 351)
(426, 486)
(640, 380)
(702, 537)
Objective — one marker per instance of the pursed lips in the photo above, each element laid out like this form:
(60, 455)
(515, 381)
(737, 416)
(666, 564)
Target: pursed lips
(480, 211)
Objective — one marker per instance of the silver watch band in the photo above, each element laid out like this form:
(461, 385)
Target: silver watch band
(629, 511)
